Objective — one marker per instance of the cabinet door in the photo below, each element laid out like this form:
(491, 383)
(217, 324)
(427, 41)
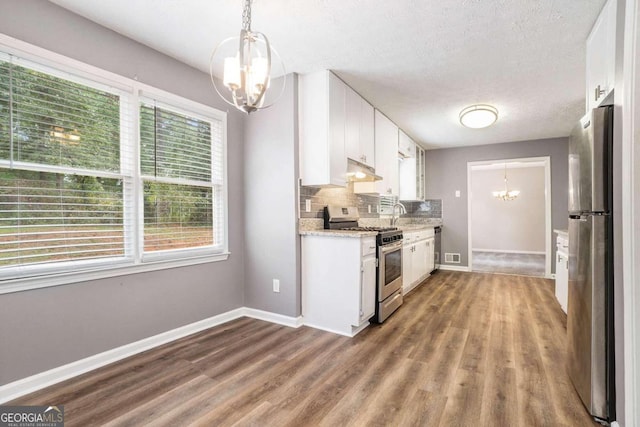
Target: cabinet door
(407, 169)
(406, 146)
(562, 281)
(338, 160)
(407, 268)
(367, 145)
(386, 152)
(352, 125)
(368, 289)
(420, 260)
(430, 255)
(601, 47)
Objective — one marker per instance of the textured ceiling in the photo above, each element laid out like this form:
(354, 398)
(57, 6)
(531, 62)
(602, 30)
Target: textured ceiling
(418, 61)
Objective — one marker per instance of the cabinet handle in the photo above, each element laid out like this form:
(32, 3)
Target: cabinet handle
(599, 92)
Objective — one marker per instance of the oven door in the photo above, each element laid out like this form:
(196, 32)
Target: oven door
(389, 269)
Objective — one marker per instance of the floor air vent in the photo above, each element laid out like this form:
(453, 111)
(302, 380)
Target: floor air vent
(452, 258)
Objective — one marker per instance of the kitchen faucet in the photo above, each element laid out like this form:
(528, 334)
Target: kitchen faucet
(401, 211)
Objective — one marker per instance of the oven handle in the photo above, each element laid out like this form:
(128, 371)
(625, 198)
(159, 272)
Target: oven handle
(391, 247)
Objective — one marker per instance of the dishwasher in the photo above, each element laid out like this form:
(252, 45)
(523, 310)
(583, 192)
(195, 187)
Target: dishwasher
(436, 250)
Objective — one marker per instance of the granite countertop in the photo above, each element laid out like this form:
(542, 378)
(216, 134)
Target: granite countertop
(338, 233)
(416, 227)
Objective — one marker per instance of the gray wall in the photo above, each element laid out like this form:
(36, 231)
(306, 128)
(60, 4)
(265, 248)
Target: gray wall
(272, 243)
(446, 172)
(521, 220)
(43, 329)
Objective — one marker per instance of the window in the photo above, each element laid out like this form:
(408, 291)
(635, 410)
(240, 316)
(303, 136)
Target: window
(80, 190)
(181, 169)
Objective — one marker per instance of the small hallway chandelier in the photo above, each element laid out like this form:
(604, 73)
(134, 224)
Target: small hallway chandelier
(506, 194)
(247, 70)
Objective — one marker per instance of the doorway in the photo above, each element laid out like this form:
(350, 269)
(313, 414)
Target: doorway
(509, 216)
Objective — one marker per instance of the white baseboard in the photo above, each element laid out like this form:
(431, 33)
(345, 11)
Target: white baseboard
(506, 251)
(454, 267)
(36, 382)
(293, 322)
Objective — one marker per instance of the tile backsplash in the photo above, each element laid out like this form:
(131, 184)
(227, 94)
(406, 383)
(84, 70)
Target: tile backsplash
(342, 196)
(427, 209)
(369, 205)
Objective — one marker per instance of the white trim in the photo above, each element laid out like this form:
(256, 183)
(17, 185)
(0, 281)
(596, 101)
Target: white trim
(546, 160)
(49, 280)
(631, 212)
(507, 251)
(38, 381)
(447, 267)
(354, 329)
(293, 322)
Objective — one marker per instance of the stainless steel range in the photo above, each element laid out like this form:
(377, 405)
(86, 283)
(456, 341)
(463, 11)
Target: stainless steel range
(389, 257)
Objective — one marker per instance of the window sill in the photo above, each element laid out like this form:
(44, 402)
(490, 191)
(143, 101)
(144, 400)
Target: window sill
(60, 279)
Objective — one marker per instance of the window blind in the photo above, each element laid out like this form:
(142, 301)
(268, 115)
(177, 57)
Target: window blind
(182, 171)
(82, 188)
(61, 185)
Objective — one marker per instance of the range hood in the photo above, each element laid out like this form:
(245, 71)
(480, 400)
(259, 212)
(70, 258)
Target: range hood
(359, 172)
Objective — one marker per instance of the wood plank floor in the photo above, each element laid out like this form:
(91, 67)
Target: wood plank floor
(466, 349)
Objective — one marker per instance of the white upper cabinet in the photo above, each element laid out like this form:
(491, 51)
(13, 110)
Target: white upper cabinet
(322, 121)
(386, 146)
(359, 144)
(411, 169)
(601, 56)
(406, 146)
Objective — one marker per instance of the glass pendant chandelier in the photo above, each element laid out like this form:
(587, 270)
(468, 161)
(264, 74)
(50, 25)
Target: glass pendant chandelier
(506, 194)
(245, 63)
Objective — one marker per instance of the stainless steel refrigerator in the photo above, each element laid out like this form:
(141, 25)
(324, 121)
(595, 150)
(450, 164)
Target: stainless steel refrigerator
(590, 306)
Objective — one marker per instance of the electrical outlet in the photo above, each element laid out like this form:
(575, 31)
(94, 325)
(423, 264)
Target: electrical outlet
(307, 205)
(457, 193)
(276, 285)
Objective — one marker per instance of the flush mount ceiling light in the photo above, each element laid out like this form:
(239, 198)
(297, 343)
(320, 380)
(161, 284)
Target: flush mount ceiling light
(478, 116)
(506, 194)
(245, 63)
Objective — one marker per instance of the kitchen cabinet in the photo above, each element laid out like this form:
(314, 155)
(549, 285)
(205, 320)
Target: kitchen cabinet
(601, 57)
(359, 128)
(406, 146)
(411, 172)
(338, 282)
(322, 120)
(562, 269)
(386, 155)
(431, 263)
(417, 257)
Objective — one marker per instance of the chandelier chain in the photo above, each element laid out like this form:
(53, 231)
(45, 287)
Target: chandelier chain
(246, 15)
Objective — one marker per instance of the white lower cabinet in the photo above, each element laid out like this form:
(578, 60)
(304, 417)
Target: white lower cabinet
(562, 270)
(338, 282)
(417, 258)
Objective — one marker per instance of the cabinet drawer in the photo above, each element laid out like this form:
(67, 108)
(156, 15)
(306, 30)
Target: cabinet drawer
(408, 238)
(424, 234)
(368, 246)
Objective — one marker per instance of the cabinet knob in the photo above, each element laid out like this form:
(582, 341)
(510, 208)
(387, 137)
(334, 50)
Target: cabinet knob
(599, 92)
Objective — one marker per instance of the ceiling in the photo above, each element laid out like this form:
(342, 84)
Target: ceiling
(418, 61)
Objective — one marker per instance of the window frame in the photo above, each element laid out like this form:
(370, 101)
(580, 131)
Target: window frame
(134, 260)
